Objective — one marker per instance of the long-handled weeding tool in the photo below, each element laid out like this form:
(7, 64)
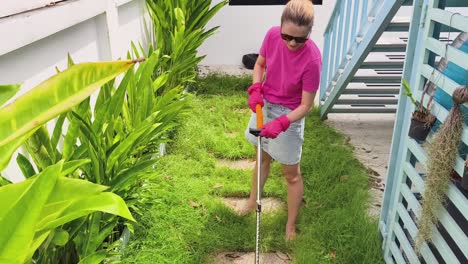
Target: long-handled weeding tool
(256, 132)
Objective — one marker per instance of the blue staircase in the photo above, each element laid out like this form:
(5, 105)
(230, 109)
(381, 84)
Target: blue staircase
(361, 69)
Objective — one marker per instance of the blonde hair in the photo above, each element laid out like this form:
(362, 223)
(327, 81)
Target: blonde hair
(299, 12)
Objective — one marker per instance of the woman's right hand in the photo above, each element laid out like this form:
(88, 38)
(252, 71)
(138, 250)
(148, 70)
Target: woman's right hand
(255, 96)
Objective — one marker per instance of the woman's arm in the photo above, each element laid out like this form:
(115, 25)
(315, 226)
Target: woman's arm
(259, 69)
(307, 103)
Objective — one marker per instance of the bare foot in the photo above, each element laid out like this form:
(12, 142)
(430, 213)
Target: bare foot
(290, 232)
(246, 208)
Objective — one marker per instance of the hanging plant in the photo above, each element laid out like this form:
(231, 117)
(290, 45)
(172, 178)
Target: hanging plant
(422, 120)
(442, 153)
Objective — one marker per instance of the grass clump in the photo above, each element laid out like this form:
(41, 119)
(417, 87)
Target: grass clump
(189, 223)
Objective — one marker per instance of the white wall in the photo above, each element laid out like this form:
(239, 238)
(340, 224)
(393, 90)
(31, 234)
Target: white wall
(35, 42)
(243, 28)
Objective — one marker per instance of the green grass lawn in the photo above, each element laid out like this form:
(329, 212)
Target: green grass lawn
(188, 222)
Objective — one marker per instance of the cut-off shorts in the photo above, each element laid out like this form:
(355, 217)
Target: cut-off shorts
(287, 147)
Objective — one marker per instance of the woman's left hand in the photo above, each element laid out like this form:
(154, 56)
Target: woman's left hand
(275, 127)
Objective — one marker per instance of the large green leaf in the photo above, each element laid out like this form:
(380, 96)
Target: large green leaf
(55, 96)
(60, 212)
(7, 92)
(20, 210)
(30, 210)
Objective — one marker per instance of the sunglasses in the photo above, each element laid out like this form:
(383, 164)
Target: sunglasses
(297, 39)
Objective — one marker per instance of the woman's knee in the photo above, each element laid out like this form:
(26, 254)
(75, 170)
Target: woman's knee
(292, 173)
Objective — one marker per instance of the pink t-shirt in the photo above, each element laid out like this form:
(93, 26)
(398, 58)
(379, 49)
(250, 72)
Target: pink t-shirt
(288, 73)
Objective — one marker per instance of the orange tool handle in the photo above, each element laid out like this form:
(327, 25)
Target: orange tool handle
(258, 109)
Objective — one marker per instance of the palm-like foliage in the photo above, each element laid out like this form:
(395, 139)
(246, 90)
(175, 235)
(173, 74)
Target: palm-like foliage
(20, 119)
(179, 29)
(112, 142)
(33, 212)
(120, 136)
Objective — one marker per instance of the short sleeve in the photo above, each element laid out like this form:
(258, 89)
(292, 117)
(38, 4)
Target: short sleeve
(311, 77)
(265, 43)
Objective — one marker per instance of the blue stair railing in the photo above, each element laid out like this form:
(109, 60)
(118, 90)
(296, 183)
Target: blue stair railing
(351, 34)
(434, 25)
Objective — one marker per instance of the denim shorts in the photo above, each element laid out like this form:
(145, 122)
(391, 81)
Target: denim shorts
(287, 147)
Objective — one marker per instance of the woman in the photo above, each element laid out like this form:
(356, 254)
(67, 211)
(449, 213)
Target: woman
(292, 63)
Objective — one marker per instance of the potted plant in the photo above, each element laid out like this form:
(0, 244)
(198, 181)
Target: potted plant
(422, 120)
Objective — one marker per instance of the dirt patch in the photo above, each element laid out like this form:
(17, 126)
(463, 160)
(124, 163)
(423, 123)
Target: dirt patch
(237, 164)
(249, 257)
(269, 204)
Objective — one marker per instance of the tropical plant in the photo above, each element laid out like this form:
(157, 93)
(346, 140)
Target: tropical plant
(179, 29)
(422, 120)
(21, 119)
(34, 212)
(121, 137)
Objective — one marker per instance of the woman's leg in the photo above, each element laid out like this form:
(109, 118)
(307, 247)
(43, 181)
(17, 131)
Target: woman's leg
(292, 173)
(252, 201)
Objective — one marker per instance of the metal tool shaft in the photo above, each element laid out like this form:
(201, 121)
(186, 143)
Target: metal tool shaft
(259, 193)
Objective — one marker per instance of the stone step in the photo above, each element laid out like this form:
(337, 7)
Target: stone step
(269, 204)
(249, 257)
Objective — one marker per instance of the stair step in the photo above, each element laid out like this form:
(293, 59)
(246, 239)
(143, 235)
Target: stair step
(388, 71)
(393, 47)
(382, 65)
(398, 26)
(364, 102)
(408, 3)
(384, 91)
(363, 110)
(378, 79)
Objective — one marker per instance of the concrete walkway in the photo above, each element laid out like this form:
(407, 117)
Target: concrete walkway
(371, 136)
